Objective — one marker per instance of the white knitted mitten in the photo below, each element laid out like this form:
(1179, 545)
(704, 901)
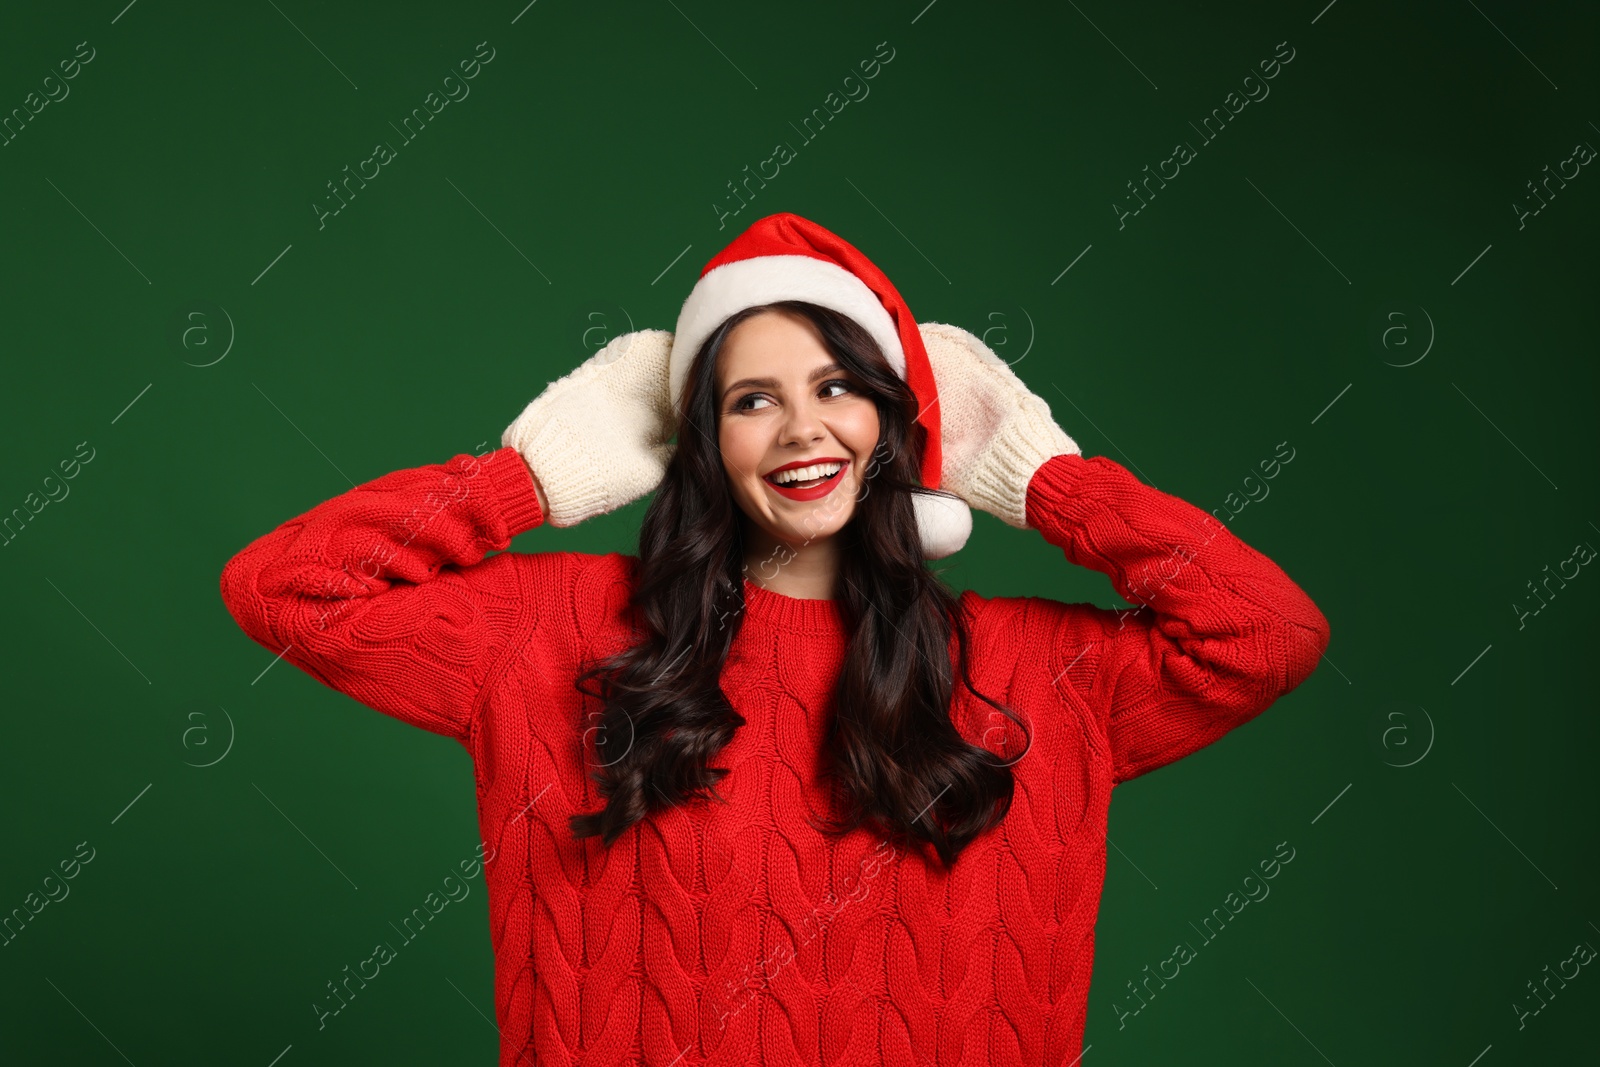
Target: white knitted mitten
(599, 438)
(995, 433)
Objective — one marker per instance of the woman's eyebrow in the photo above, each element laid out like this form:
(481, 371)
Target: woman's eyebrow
(772, 383)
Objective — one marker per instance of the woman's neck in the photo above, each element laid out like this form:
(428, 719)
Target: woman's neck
(805, 571)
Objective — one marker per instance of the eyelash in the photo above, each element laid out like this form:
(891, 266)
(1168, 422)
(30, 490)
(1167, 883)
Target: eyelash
(739, 405)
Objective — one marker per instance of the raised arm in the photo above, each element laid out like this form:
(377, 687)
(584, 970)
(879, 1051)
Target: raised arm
(383, 592)
(1220, 631)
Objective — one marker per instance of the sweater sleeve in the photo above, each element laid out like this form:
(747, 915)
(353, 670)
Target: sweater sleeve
(383, 592)
(1220, 632)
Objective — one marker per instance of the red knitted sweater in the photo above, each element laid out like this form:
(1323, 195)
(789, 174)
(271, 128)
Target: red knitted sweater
(737, 933)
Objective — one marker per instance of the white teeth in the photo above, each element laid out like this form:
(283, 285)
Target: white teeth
(805, 474)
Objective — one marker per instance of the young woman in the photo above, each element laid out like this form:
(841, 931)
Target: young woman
(767, 792)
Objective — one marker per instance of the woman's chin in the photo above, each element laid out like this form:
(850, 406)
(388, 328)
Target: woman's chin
(800, 536)
(801, 524)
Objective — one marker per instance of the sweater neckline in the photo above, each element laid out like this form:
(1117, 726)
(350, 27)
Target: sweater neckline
(792, 613)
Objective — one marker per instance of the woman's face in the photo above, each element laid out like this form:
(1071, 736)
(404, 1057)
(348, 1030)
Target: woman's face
(783, 399)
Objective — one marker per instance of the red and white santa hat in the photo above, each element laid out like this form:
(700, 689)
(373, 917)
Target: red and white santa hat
(786, 257)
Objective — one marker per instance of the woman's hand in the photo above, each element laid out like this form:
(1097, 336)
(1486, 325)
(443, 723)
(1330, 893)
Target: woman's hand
(599, 438)
(994, 432)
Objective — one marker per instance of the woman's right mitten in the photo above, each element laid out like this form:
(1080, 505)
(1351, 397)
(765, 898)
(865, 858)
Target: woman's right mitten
(599, 438)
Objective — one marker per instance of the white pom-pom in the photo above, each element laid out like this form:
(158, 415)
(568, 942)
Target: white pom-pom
(943, 522)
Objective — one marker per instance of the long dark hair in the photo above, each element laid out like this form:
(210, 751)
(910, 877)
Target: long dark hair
(891, 752)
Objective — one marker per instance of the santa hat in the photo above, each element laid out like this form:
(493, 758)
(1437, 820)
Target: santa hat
(786, 257)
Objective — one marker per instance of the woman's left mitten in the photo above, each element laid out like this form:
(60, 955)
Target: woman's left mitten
(994, 432)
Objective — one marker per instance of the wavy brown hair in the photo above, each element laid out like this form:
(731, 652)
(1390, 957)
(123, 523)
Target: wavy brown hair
(891, 755)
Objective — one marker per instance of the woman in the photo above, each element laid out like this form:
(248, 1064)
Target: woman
(768, 792)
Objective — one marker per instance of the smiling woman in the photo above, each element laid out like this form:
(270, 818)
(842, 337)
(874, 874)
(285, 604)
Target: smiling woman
(909, 815)
(794, 426)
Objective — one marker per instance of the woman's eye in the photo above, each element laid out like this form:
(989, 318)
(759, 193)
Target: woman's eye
(747, 402)
(744, 402)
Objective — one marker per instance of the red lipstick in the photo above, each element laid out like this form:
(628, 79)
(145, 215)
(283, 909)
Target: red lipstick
(817, 491)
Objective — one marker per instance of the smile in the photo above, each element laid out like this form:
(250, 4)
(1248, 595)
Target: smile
(813, 488)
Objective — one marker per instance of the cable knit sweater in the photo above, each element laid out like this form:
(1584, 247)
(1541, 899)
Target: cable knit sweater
(737, 933)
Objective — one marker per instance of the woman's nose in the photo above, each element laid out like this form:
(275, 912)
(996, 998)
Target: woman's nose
(801, 425)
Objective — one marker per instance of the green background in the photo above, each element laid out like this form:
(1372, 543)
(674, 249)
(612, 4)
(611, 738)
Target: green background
(1243, 307)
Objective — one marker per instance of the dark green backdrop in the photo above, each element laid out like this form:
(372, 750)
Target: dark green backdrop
(1344, 268)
